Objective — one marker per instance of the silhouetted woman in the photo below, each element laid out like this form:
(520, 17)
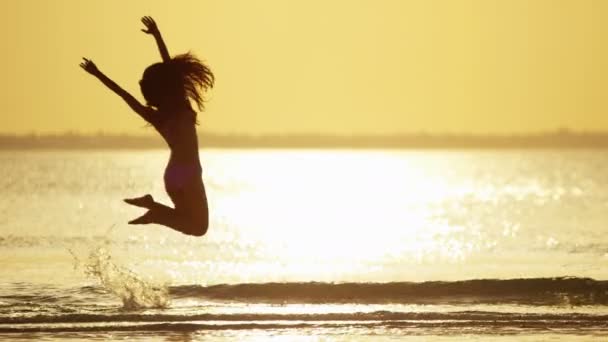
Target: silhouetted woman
(168, 88)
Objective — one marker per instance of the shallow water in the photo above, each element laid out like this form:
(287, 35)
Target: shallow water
(391, 241)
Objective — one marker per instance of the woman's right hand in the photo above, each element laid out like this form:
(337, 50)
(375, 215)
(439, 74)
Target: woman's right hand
(89, 66)
(150, 25)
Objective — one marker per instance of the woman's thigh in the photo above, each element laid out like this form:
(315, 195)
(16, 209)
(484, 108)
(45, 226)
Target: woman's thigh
(190, 199)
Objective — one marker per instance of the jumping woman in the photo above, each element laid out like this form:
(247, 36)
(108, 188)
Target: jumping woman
(168, 88)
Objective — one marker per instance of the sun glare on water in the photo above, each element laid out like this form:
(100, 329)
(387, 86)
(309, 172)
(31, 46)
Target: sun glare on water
(321, 214)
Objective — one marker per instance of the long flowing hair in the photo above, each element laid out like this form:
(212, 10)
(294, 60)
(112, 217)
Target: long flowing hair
(184, 77)
(196, 77)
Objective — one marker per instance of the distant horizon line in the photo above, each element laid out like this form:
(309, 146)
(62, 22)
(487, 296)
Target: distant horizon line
(561, 138)
(558, 131)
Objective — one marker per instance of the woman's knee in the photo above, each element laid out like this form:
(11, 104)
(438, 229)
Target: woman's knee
(197, 227)
(200, 230)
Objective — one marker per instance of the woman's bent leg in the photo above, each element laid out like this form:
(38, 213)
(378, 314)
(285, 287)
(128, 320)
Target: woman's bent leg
(191, 205)
(183, 221)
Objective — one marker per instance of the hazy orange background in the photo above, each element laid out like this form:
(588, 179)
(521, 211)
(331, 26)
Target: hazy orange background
(320, 66)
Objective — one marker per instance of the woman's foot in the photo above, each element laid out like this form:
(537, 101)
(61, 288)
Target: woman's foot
(145, 201)
(143, 219)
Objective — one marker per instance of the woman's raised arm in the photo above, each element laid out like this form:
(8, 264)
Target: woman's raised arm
(152, 28)
(145, 112)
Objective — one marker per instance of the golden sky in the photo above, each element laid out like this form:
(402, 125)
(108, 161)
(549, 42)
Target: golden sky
(319, 66)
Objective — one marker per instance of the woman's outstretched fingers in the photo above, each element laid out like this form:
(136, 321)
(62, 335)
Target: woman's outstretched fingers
(88, 66)
(150, 25)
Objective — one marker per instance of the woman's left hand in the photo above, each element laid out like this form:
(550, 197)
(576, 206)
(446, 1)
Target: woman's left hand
(89, 66)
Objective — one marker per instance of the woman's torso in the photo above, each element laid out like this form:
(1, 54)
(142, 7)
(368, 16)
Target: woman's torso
(183, 168)
(179, 131)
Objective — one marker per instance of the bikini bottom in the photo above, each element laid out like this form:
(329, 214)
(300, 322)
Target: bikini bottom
(177, 176)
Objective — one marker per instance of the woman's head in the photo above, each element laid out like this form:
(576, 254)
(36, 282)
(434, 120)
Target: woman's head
(171, 83)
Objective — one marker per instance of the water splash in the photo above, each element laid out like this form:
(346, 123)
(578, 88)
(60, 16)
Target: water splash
(134, 292)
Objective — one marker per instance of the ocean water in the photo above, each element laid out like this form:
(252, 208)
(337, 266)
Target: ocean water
(309, 245)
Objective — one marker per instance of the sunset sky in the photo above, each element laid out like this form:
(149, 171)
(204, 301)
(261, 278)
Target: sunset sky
(316, 66)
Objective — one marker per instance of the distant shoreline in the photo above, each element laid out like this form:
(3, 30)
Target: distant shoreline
(558, 139)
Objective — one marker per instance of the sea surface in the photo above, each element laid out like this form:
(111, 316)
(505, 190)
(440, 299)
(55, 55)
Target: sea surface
(309, 245)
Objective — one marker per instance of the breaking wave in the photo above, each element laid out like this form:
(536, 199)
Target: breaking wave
(537, 291)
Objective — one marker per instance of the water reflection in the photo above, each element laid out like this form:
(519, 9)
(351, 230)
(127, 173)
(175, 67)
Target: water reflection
(327, 215)
(314, 214)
